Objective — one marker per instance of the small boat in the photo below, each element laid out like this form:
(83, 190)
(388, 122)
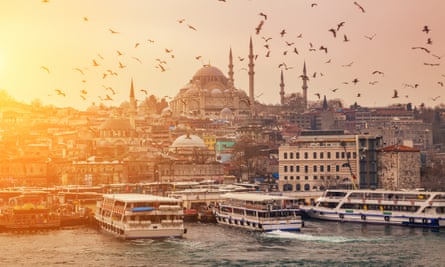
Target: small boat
(406, 208)
(137, 216)
(258, 212)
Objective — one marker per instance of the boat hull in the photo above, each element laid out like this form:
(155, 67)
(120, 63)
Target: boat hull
(292, 225)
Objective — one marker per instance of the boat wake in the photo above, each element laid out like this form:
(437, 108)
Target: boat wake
(309, 237)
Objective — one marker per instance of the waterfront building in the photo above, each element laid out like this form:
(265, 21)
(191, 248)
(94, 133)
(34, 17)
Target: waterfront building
(319, 160)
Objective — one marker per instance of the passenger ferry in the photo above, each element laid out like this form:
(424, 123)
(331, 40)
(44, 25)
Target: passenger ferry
(136, 216)
(408, 208)
(258, 212)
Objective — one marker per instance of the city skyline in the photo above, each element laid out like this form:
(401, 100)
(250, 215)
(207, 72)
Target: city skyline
(74, 53)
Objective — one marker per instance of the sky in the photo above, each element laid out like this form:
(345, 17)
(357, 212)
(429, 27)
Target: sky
(49, 49)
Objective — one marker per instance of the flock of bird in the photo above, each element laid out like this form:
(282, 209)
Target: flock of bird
(101, 65)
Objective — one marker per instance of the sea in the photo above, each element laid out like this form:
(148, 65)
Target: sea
(320, 243)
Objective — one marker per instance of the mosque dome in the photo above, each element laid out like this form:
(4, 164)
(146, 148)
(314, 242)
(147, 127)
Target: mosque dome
(188, 141)
(208, 70)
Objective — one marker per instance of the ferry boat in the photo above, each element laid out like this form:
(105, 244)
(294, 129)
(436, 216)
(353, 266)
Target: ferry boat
(137, 216)
(258, 212)
(31, 210)
(407, 208)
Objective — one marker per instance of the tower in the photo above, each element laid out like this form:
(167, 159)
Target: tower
(282, 89)
(230, 73)
(251, 76)
(132, 108)
(305, 79)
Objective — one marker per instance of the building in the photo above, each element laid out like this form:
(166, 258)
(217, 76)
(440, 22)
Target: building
(399, 167)
(319, 160)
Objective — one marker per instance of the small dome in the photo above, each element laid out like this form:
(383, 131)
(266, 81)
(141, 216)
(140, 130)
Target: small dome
(216, 92)
(166, 112)
(188, 141)
(226, 113)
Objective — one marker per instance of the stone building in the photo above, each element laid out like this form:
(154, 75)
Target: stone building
(399, 167)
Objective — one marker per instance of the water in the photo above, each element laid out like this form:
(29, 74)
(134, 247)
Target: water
(319, 244)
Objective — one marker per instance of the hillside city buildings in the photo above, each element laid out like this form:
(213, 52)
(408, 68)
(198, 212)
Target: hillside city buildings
(212, 130)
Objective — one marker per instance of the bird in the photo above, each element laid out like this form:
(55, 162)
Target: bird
(45, 68)
(358, 94)
(268, 54)
(198, 57)
(359, 6)
(121, 65)
(137, 59)
(431, 64)
(60, 92)
(421, 48)
(348, 65)
(162, 68)
(283, 32)
(440, 83)
(263, 15)
(266, 39)
(318, 95)
(144, 91)
(289, 43)
(107, 97)
(339, 25)
(426, 29)
(396, 94)
(150, 40)
(100, 56)
(333, 32)
(181, 20)
(435, 98)
(95, 63)
(85, 18)
(104, 75)
(168, 50)
(334, 90)
(373, 82)
(191, 27)
(240, 58)
(111, 90)
(355, 81)
(370, 37)
(258, 28)
(84, 92)
(296, 51)
(113, 31)
(136, 45)
(436, 56)
(83, 97)
(429, 41)
(377, 72)
(345, 38)
(79, 70)
(119, 53)
(325, 49)
(314, 4)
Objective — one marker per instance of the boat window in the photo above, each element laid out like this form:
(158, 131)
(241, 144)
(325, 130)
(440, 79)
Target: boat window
(440, 210)
(439, 197)
(328, 204)
(335, 194)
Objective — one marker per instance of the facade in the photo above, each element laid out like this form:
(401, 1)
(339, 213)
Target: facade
(399, 167)
(317, 162)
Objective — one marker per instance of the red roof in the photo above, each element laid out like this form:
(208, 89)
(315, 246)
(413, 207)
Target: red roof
(399, 148)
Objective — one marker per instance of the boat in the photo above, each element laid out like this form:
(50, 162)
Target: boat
(406, 208)
(29, 211)
(259, 212)
(138, 216)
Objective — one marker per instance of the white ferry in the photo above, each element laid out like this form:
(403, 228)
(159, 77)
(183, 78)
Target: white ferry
(408, 208)
(134, 216)
(258, 212)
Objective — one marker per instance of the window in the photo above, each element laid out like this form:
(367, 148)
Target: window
(321, 155)
(297, 177)
(306, 155)
(315, 177)
(348, 155)
(329, 155)
(291, 168)
(328, 168)
(321, 168)
(297, 155)
(342, 155)
(337, 168)
(291, 155)
(314, 168)
(297, 168)
(337, 155)
(314, 155)
(285, 168)
(285, 177)
(285, 155)
(306, 177)
(306, 168)
(291, 177)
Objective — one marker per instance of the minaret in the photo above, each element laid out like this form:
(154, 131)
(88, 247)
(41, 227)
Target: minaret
(282, 88)
(305, 79)
(251, 75)
(231, 67)
(132, 108)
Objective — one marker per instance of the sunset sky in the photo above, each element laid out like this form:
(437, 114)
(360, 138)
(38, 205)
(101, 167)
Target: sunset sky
(51, 46)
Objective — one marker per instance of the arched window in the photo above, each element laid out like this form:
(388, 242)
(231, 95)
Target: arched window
(298, 187)
(287, 187)
(307, 187)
